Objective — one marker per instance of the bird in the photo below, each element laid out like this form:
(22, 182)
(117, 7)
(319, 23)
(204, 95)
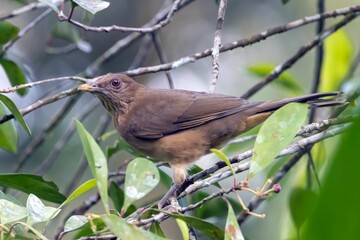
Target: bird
(179, 126)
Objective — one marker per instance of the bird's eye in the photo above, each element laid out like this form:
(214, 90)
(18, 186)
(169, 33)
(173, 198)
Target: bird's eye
(116, 83)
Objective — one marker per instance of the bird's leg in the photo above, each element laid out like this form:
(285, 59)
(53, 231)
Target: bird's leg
(179, 175)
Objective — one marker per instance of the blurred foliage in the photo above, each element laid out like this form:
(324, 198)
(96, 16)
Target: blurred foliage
(14, 74)
(8, 133)
(286, 80)
(32, 184)
(337, 61)
(336, 212)
(8, 32)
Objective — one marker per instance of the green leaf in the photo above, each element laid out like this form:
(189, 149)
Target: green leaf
(8, 133)
(37, 211)
(232, 229)
(223, 157)
(28, 183)
(92, 6)
(165, 179)
(319, 155)
(86, 18)
(75, 222)
(301, 204)
(122, 145)
(118, 146)
(11, 212)
(22, 1)
(183, 229)
(36, 232)
(15, 111)
(156, 229)
(69, 33)
(65, 31)
(94, 226)
(209, 229)
(116, 195)
(275, 167)
(15, 75)
(97, 163)
(142, 176)
(214, 208)
(10, 198)
(51, 4)
(124, 230)
(107, 135)
(275, 134)
(285, 80)
(285, 1)
(336, 213)
(83, 188)
(337, 60)
(33, 230)
(7, 32)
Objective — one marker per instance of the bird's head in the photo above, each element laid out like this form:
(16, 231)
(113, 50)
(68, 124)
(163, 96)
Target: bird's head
(116, 91)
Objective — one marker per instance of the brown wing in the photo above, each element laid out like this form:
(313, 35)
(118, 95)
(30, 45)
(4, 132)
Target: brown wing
(179, 110)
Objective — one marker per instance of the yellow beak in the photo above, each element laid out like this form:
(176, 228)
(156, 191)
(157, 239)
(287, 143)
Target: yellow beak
(87, 88)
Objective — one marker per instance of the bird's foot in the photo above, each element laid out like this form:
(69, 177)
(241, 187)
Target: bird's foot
(174, 206)
(171, 193)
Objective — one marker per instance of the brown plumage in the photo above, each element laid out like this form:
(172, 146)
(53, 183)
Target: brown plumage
(179, 126)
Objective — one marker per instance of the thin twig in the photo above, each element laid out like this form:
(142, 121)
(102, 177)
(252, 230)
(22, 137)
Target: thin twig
(27, 8)
(217, 43)
(313, 168)
(162, 58)
(62, 50)
(324, 124)
(319, 53)
(32, 84)
(161, 24)
(143, 52)
(40, 103)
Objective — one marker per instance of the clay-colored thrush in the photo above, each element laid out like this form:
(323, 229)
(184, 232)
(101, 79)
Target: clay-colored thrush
(179, 126)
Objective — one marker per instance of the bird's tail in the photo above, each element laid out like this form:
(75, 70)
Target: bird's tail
(314, 100)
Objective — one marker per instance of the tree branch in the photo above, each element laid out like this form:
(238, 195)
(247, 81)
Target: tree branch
(40, 103)
(27, 8)
(217, 44)
(161, 24)
(243, 42)
(32, 84)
